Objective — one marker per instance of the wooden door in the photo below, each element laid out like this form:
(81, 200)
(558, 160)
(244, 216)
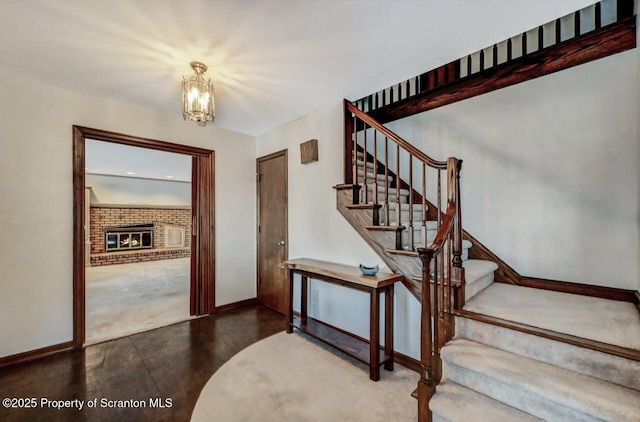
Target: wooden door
(272, 230)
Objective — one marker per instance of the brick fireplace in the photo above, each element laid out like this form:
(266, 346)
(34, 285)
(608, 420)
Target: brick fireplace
(120, 233)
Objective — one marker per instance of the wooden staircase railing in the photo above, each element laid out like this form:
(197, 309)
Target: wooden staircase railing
(382, 152)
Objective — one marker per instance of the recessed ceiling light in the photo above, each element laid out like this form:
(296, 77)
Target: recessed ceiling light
(131, 172)
(169, 177)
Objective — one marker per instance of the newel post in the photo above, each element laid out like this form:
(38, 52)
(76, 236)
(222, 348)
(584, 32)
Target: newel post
(458, 270)
(427, 382)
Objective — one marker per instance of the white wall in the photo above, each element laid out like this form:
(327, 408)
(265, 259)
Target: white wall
(637, 7)
(550, 173)
(36, 204)
(136, 191)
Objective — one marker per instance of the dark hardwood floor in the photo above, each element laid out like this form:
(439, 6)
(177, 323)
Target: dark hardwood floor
(173, 362)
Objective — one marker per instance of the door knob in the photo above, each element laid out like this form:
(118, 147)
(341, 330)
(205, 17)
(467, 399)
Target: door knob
(280, 243)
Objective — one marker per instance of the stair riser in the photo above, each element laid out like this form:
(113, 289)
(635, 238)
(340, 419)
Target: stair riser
(610, 368)
(478, 286)
(514, 396)
(404, 218)
(392, 198)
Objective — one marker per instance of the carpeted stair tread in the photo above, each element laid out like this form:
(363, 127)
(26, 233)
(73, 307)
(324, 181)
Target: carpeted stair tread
(544, 390)
(615, 369)
(455, 403)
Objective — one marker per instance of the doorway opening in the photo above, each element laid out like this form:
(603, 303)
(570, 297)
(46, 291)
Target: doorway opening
(138, 214)
(126, 233)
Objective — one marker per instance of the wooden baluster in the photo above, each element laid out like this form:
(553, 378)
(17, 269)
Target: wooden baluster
(438, 199)
(443, 276)
(558, 31)
(449, 295)
(354, 156)
(597, 14)
(377, 98)
(384, 97)
(391, 95)
(408, 89)
(386, 178)
(411, 233)
(481, 60)
(417, 84)
(398, 210)
(524, 44)
(457, 253)
(509, 50)
(624, 9)
(436, 82)
(424, 204)
(576, 24)
(495, 55)
(369, 102)
(469, 65)
(375, 166)
(540, 37)
(364, 166)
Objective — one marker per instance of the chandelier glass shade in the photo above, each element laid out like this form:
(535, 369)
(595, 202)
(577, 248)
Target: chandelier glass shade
(198, 104)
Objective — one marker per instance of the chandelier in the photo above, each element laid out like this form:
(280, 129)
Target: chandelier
(197, 96)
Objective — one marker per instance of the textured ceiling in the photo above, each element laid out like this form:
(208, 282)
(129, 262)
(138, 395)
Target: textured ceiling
(270, 61)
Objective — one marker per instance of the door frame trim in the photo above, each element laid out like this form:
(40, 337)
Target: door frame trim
(285, 153)
(80, 134)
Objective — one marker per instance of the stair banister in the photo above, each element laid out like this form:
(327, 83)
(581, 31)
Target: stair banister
(369, 121)
(441, 258)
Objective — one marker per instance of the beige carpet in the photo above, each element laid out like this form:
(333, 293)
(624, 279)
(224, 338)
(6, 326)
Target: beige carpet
(288, 377)
(607, 321)
(131, 298)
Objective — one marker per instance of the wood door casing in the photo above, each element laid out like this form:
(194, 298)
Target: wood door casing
(273, 239)
(203, 263)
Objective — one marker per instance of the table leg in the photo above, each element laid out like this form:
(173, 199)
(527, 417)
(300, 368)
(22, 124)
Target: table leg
(388, 328)
(303, 299)
(289, 328)
(374, 335)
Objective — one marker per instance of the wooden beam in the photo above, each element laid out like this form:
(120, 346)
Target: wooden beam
(603, 42)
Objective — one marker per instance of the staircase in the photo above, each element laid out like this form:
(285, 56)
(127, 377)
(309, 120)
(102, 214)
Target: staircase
(483, 371)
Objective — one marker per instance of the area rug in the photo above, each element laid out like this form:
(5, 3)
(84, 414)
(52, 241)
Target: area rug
(290, 377)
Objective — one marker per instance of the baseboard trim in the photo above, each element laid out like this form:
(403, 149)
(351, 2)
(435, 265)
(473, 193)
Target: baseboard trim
(37, 353)
(637, 299)
(407, 362)
(603, 292)
(236, 305)
(553, 335)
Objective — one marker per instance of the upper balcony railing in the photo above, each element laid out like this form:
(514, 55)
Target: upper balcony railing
(519, 47)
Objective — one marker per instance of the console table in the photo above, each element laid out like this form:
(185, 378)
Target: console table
(368, 352)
